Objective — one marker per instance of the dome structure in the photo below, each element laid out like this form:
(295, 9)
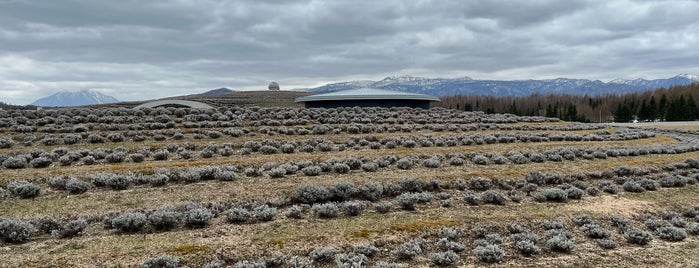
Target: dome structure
(367, 97)
(273, 86)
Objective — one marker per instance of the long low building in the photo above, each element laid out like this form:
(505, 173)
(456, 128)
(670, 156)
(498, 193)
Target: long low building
(367, 97)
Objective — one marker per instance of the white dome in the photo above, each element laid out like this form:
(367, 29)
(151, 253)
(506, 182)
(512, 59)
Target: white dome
(273, 86)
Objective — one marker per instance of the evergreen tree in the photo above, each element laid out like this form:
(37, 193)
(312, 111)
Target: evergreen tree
(677, 110)
(623, 113)
(551, 111)
(692, 110)
(468, 107)
(662, 108)
(653, 108)
(513, 109)
(645, 113)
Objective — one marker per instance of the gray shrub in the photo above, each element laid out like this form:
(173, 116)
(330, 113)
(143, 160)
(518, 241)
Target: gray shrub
(432, 162)
(370, 167)
(310, 194)
(553, 224)
(574, 193)
(277, 172)
(163, 261)
(366, 249)
(450, 233)
(383, 207)
(264, 213)
(633, 186)
(322, 254)
(57, 182)
(295, 212)
(638, 236)
(553, 195)
(480, 183)
(407, 201)
(161, 155)
(620, 222)
(560, 243)
(446, 244)
(471, 198)
(47, 224)
(404, 163)
(326, 210)
(15, 162)
(493, 197)
(129, 222)
(115, 157)
(14, 231)
(342, 191)
(6, 143)
(117, 181)
(159, 179)
(408, 250)
(649, 184)
(411, 185)
(71, 228)
(253, 172)
(88, 160)
(489, 253)
(583, 219)
(527, 247)
(594, 231)
(39, 162)
(671, 233)
(371, 190)
(312, 170)
(76, 186)
(164, 219)
(353, 208)
(693, 228)
(672, 181)
(226, 175)
(606, 243)
(480, 159)
(445, 258)
(351, 260)
(24, 189)
(197, 218)
(456, 161)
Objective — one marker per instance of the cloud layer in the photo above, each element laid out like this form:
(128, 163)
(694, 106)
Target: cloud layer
(148, 49)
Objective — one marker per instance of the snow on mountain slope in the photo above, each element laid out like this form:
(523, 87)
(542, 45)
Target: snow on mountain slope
(467, 86)
(77, 98)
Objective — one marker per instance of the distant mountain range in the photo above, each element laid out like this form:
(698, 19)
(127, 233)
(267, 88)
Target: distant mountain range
(213, 92)
(77, 98)
(467, 86)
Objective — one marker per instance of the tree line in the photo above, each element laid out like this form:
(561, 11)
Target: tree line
(664, 104)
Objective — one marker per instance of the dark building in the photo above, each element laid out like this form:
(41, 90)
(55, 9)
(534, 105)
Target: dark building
(367, 97)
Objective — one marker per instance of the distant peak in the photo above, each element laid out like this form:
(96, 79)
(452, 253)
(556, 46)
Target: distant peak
(403, 78)
(75, 98)
(689, 76)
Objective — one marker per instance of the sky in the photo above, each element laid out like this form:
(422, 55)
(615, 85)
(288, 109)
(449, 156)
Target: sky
(135, 49)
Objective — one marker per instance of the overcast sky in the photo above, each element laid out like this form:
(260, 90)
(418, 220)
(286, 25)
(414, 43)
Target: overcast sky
(135, 49)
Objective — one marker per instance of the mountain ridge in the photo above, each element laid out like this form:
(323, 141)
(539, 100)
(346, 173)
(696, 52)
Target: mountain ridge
(74, 98)
(468, 86)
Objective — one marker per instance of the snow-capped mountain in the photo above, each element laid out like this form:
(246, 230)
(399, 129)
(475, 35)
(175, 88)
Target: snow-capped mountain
(467, 86)
(76, 98)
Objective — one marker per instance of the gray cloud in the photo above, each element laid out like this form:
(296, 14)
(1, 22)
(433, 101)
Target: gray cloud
(148, 49)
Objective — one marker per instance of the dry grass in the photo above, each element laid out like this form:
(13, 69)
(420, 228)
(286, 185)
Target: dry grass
(257, 160)
(231, 242)
(292, 237)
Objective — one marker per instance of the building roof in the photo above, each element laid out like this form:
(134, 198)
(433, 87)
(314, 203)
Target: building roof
(367, 94)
